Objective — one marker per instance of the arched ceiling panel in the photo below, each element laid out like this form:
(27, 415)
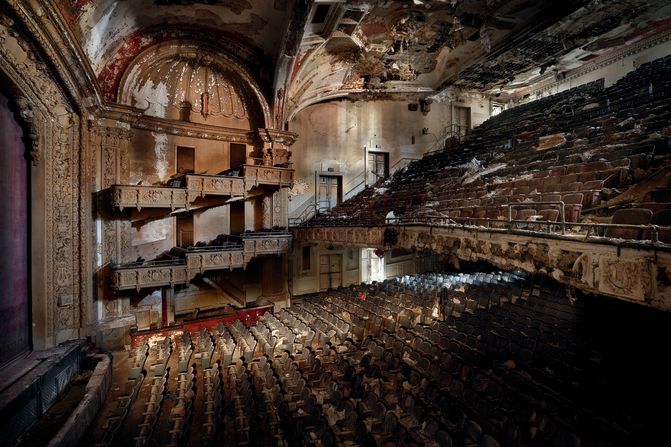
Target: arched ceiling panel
(113, 32)
(185, 81)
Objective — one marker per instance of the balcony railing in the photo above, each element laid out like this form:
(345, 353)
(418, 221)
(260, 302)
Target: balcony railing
(214, 185)
(179, 194)
(183, 191)
(267, 175)
(126, 196)
(196, 260)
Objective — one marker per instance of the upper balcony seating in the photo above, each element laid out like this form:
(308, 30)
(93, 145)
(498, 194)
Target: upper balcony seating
(604, 140)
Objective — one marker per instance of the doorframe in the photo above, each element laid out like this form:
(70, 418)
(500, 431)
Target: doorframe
(341, 192)
(387, 166)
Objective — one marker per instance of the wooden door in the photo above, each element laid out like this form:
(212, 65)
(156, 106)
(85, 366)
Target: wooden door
(330, 271)
(238, 155)
(462, 120)
(378, 166)
(330, 190)
(186, 160)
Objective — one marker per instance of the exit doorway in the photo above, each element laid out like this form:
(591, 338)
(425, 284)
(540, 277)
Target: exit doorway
(186, 160)
(330, 190)
(372, 266)
(330, 271)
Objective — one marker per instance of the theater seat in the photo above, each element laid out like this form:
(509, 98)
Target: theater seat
(629, 216)
(662, 219)
(572, 207)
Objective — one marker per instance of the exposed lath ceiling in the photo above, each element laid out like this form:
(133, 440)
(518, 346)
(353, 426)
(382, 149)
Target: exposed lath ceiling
(306, 51)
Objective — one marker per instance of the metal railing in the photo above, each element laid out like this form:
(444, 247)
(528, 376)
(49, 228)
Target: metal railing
(402, 163)
(311, 210)
(452, 132)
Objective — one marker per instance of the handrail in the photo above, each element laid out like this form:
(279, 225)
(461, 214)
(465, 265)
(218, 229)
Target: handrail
(353, 188)
(204, 248)
(320, 205)
(261, 164)
(448, 132)
(308, 212)
(405, 160)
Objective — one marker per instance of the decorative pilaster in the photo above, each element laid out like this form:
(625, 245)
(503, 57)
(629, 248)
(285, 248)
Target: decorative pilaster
(112, 144)
(280, 208)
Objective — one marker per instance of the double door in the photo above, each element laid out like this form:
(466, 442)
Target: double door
(330, 271)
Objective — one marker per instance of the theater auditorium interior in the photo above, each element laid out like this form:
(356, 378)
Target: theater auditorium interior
(335, 223)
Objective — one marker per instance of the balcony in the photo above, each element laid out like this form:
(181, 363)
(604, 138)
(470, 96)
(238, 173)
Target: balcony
(196, 260)
(267, 175)
(179, 193)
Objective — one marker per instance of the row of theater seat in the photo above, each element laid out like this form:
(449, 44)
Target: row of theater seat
(439, 359)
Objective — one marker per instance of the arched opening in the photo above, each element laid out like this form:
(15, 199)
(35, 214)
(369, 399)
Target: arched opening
(15, 338)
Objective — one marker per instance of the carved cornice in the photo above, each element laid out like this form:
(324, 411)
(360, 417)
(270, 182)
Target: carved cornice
(134, 118)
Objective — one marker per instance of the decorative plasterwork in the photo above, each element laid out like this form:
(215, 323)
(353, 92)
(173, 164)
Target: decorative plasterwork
(139, 197)
(194, 53)
(60, 304)
(626, 273)
(268, 175)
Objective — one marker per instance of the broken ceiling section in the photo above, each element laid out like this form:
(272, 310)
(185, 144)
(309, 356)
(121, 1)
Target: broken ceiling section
(388, 47)
(594, 32)
(308, 51)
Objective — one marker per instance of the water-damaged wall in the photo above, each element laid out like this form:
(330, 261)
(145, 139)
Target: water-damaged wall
(336, 135)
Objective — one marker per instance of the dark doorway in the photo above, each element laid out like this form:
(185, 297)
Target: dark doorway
(186, 160)
(14, 238)
(238, 155)
(185, 230)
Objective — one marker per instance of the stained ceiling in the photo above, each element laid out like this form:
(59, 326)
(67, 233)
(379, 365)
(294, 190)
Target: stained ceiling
(306, 51)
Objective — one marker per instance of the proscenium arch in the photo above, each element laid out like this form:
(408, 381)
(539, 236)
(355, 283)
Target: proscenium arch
(191, 49)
